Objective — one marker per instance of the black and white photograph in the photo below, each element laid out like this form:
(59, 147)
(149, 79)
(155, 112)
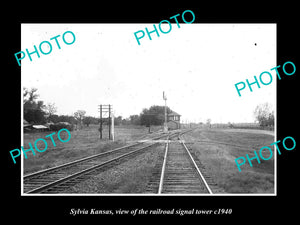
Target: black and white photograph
(163, 116)
(137, 112)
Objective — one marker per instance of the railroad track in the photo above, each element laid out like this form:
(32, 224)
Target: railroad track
(56, 179)
(179, 172)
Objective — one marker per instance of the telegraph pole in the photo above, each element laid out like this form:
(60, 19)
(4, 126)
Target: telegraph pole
(103, 110)
(109, 123)
(100, 121)
(165, 123)
(113, 126)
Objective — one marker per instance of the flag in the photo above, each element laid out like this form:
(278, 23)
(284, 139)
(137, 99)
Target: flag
(164, 97)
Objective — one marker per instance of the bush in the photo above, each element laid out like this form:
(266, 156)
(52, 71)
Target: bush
(61, 125)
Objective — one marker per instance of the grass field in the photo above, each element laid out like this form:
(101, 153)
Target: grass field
(83, 143)
(216, 148)
(219, 158)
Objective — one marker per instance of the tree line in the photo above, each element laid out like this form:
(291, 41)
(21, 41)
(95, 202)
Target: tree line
(36, 112)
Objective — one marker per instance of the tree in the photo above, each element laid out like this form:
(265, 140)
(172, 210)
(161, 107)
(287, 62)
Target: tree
(50, 109)
(155, 115)
(65, 118)
(25, 93)
(135, 119)
(87, 120)
(33, 110)
(35, 116)
(270, 120)
(54, 118)
(79, 115)
(118, 120)
(208, 122)
(264, 114)
(30, 96)
(125, 121)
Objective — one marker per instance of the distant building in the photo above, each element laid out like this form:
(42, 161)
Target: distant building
(173, 120)
(33, 128)
(40, 127)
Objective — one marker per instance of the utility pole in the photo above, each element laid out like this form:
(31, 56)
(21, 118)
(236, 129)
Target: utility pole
(165, 123)
(109, 122)
(100, 121)
(113, 126)
(103, 110)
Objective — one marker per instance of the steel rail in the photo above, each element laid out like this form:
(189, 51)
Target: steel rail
(161, 181)
(62, 180)
(195, 165)
(163, 168)
(28, 176)
(66, 165)
(190, 157)
(40, 172)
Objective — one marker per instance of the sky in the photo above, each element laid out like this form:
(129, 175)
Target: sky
(197, 65)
